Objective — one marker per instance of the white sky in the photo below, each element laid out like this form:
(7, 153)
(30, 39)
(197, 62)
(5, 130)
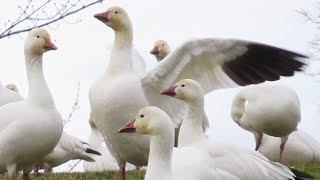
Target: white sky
(84, 50)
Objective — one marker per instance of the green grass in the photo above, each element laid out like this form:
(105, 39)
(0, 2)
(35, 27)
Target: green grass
(312, 168)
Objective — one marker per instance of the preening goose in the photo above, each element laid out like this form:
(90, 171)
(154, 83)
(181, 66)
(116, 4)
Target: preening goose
(160, 49)
(241, 162)
(68, 148)
(214, 63)
(31, 128)
(105, 161)
(164, 162)
(267, 109)
(300, 148)
(9, 94)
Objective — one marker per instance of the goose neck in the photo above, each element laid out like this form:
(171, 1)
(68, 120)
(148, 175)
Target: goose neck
(121, 55)
(39, 92)
(191, 128)
(161, 147)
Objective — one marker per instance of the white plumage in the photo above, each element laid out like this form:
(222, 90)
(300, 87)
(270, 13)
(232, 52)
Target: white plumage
(8, 95)
(271, 109)
(164, 161)
(215, 63)
(31, 128)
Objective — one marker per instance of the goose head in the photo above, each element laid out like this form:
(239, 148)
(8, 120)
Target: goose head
(160, 49)
(12, 87)
(92, 122)
(149, 120)
(186, 90)
(115, 18)
(39, 42)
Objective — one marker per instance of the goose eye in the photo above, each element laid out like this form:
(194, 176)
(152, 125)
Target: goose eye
(141, 116)
(116, 12)
(182, 85)
(162, 44)
(38, 36)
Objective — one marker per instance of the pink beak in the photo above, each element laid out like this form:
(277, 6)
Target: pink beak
(170, 91)
(48, 45)
(128, 128)
(155, 50)
(102, 16)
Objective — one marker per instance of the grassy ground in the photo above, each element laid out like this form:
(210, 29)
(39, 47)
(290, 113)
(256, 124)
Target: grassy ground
(312, 168)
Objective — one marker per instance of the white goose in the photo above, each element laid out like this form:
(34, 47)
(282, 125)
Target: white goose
(68, 148)
(9, 94)
(160, 50)
(31, 128)
(214, 63)
(241, 162)
(164, 163)
(105, 161)
(300, 148)
(267, 109)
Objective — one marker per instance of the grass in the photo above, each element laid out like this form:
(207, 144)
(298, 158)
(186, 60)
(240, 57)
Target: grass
(312, 168)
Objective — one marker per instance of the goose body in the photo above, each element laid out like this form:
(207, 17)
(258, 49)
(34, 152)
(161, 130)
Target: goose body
(104, 162)
(240, 162)
(165, 161)
(215, 63)
(31, 128)
(68, 148)
(267, 109)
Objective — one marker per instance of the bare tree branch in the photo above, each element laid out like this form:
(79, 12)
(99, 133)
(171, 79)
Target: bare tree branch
(74, 107)
(32, 16)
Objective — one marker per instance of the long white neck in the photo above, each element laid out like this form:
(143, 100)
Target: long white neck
(191, 128)
(95, 139)
(161, 147)
(39, 92)
(121, 56)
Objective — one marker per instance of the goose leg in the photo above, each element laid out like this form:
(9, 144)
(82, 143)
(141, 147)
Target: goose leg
(258, 137)
(26, 176)
(122, 172)
(283, 142)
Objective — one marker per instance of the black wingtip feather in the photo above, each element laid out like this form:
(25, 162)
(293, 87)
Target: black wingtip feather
(263, 63)
(91, 151)
(301, 175)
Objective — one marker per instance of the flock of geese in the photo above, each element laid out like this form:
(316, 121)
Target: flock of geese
(166, 132)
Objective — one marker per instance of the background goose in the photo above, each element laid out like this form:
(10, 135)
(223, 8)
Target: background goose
(267, 109)
(164, 163)
(105, 161)
(241, 162)
(300, 147)
(31, 128)
(160, 49)
(68, 148)
(214, 63)
(9, 94)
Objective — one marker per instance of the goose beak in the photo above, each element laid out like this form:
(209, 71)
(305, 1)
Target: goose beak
(48, 45)
(128, 128)
(155, 50)
(170, 91)
(103, 17)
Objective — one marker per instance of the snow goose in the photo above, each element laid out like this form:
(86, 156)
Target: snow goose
(300, 148)
(31, 128)
(241, 162)
(9, 94)
(105, 161)
(214, 63)
(271, 109)
(160, 50)
(68, 148)
(12, 87)
(164, 163)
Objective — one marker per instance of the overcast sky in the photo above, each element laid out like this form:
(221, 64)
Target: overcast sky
(84, 49)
